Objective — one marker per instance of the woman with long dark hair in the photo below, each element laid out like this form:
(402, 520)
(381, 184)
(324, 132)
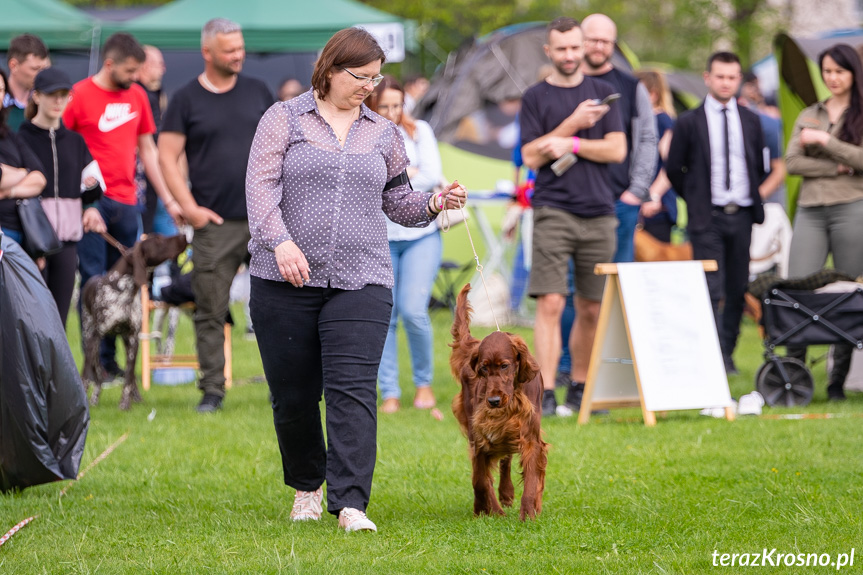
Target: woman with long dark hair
(826, 150)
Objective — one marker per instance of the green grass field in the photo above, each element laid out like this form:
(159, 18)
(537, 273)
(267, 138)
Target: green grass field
(187, 493)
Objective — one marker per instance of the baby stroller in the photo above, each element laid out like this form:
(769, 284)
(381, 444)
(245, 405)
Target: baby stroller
(795, 314)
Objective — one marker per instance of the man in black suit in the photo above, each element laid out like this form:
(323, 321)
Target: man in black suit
(716, 164)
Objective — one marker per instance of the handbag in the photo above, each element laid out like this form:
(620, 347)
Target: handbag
(40, 239)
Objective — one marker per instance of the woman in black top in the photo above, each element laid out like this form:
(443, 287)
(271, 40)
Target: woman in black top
(65, 158)
(15, 157)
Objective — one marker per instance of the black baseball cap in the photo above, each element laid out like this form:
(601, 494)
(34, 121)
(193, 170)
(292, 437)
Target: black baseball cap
(52, 80)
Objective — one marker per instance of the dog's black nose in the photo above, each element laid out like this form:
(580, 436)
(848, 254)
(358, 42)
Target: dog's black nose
(493, 401)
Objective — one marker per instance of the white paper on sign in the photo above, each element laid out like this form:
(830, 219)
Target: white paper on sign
(673, 334)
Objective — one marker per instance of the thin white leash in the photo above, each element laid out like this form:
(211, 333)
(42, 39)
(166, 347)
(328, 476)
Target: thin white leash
(445, 225)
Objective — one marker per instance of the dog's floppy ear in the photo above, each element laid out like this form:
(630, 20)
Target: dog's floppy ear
(139, 265)
(474, 359)
(527, 365)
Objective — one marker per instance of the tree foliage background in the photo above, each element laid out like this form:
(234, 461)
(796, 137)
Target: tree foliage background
(677, 32)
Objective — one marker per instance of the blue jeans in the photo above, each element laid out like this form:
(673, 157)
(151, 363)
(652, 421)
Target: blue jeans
(627, 217)
(415, 265)
(567, 320)
(163, 223)
(95, 256)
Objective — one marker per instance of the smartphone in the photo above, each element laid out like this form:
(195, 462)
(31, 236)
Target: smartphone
(563, 163)
(607, 100)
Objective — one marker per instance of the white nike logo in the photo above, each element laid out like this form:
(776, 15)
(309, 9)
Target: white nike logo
(106, 124)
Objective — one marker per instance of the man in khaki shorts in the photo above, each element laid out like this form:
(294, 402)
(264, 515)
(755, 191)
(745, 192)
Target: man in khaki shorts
(574, 216)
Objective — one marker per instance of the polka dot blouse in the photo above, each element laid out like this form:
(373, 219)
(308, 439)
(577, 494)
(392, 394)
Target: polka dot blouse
(301, 185)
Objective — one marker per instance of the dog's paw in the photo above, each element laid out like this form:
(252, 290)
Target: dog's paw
(527, 511)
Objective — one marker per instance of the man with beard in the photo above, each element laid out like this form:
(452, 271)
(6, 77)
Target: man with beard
(574, 209)
(630, 179)
(113, 115)
(212, 120)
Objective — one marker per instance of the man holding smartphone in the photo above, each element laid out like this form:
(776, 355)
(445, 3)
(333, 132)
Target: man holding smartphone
(574, 214)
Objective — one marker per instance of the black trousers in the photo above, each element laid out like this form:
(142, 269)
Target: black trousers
(726, 241)
(59, 276)
(330, 341)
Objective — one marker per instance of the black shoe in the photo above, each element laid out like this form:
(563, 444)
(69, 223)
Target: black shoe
(730, 368)
(562, 379)
(112, 372)
(209, 403)
(835, 392)
(574, 394)
(549, 403)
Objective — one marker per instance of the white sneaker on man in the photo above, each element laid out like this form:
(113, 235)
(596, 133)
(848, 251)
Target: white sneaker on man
(307, 505)
(351, 519)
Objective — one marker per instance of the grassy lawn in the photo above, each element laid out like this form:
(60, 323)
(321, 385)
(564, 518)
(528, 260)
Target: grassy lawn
(193, 494)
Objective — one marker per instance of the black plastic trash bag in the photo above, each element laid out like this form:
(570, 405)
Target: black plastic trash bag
(43, 407)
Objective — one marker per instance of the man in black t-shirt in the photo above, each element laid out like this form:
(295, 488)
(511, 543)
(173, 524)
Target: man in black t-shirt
(213, 119)
(573, 210)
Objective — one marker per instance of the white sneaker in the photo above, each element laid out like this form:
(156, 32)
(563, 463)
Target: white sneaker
(563, 411)
(351, 519)
(750, 404)
(307, 505)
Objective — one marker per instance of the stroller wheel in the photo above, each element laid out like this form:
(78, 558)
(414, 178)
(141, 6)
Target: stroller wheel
(790, 386)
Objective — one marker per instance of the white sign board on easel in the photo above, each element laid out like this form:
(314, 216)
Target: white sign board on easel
(656, 344)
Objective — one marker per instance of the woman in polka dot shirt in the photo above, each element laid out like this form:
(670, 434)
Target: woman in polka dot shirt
(323, 171)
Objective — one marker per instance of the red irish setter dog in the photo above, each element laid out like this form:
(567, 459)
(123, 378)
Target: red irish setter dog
(499, 409)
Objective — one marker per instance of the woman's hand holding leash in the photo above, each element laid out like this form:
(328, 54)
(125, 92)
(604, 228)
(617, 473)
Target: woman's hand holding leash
(454, 196)
(292, 263)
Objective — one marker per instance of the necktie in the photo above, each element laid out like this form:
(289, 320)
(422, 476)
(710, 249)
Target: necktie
(726, 149)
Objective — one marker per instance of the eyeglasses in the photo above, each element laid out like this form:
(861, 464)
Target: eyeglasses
(365, 80)
(599, 41)
(387, 108)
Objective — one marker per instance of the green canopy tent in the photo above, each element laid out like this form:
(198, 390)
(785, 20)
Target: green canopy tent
(800, 83)
(61, 26)
(268, 25)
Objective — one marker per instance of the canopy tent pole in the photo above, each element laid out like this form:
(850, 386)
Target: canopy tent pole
(95, 41)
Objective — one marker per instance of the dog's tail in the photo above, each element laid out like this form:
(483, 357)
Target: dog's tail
(463, 344)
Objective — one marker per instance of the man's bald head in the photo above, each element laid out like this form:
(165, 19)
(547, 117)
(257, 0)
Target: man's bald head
(153, 69)
(601, 24)
(600, 36)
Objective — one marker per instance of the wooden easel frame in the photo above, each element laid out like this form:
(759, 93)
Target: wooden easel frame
(613, 308)
(150, 363)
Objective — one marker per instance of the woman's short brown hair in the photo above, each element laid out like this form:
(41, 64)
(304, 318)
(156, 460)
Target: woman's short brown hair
(348, 48)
